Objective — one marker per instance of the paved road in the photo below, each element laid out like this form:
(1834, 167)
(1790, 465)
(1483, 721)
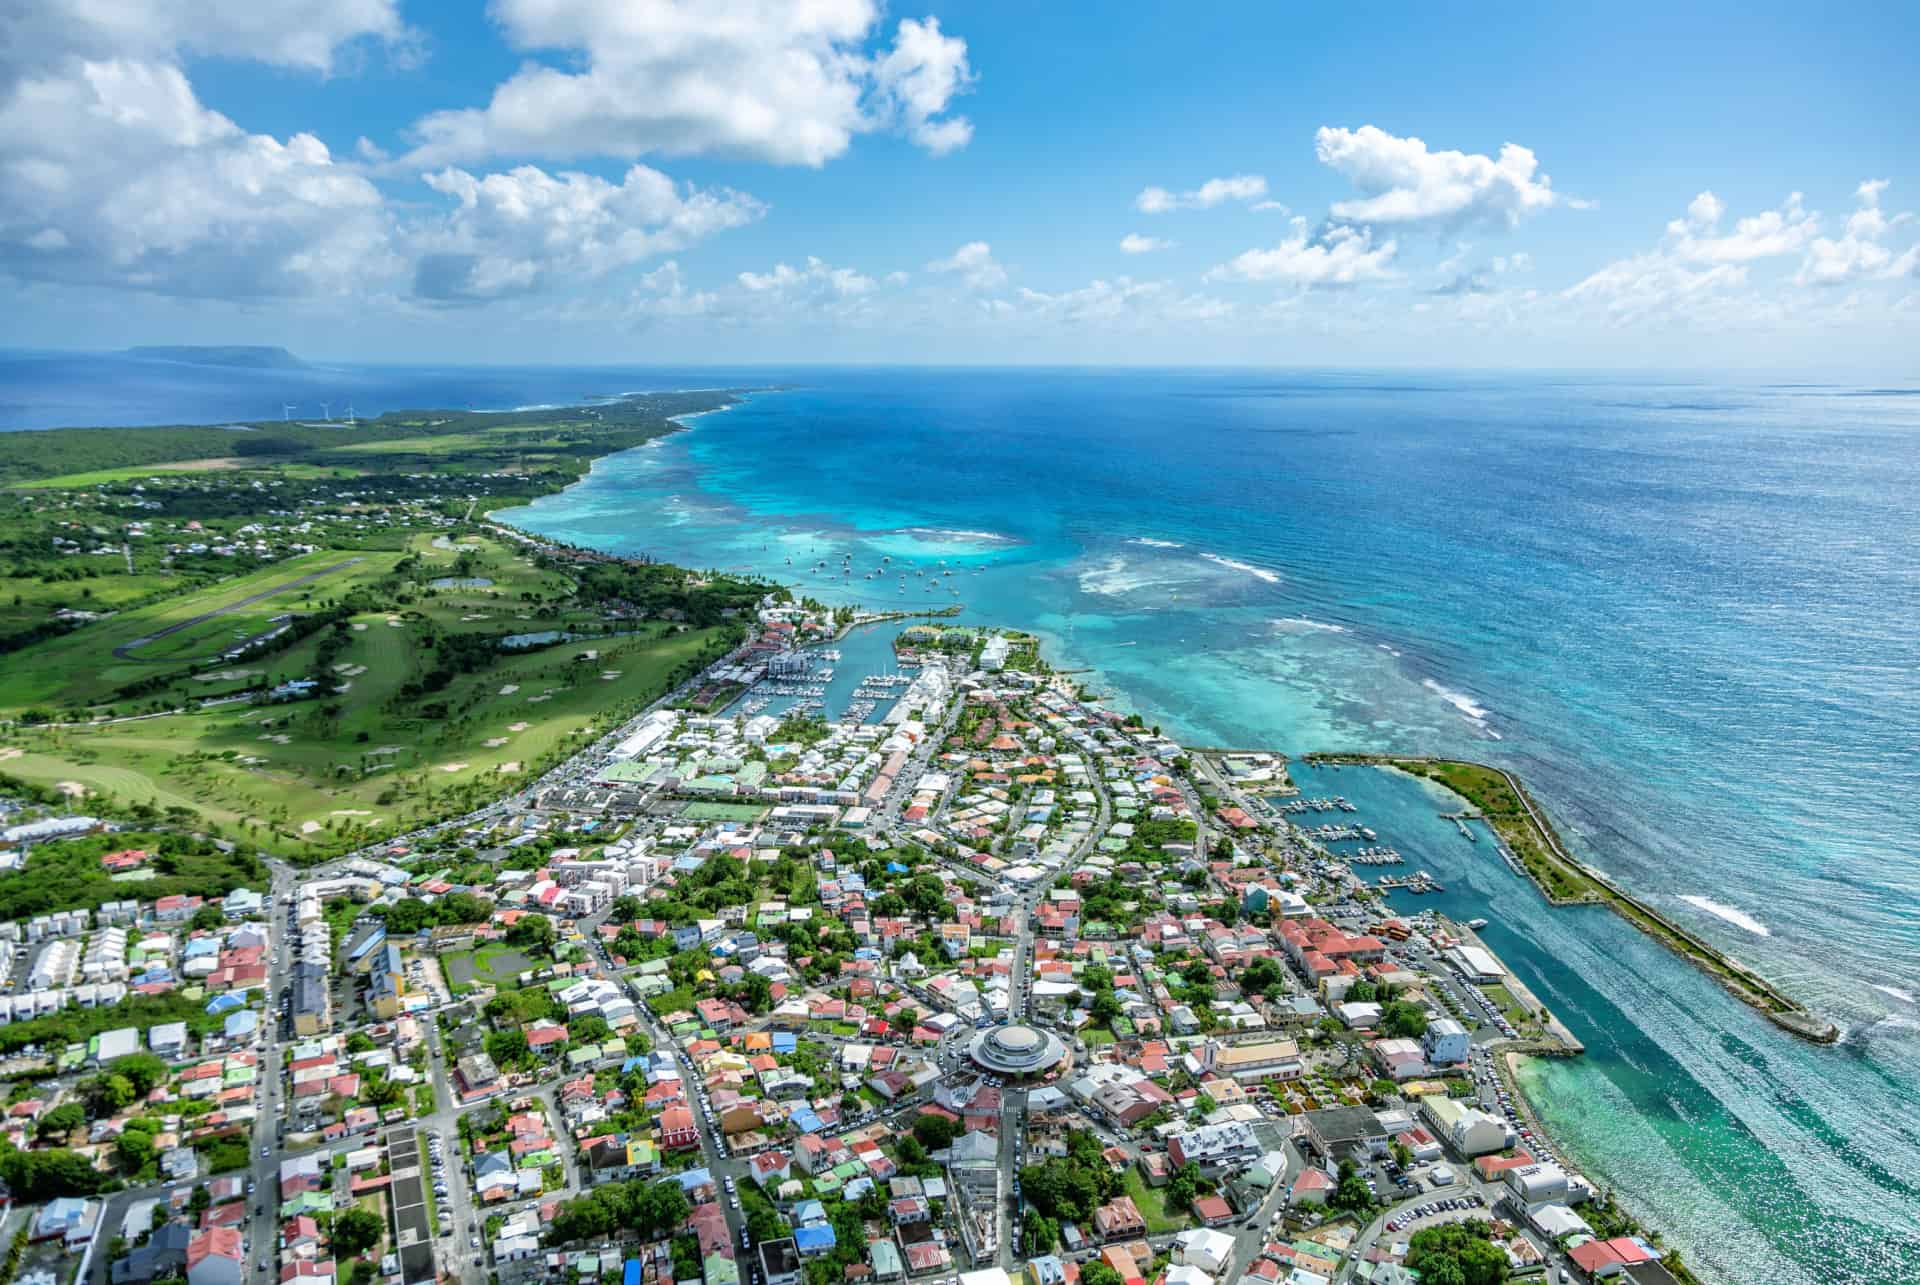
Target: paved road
(125, 650)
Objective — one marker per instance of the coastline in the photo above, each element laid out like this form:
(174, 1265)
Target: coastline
(1524, 831)
(1552, 1082)
(1564, 880)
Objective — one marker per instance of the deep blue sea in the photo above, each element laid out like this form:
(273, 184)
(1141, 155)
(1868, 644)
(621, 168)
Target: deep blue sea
(1684, 610)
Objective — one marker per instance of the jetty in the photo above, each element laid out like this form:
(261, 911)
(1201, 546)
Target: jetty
(1530, 844)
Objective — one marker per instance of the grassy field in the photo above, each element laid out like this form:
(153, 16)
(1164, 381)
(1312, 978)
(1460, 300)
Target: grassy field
(1152, 1203)
(82, 669)
(28, 601)
(107, 476)
(363, 757)
(484, 966)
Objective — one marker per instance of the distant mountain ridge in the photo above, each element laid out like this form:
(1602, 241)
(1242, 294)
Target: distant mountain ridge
(250, 356)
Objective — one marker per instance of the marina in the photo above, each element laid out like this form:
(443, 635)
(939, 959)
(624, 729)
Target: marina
(1418, 883)
(1297, 806)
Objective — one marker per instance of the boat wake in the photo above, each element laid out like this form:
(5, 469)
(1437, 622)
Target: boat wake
(1151, 543)
(1731, 914)
(1904, 996)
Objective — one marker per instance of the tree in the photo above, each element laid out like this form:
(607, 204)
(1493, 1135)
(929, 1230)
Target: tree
(1039, 1233)
(1350, 1193)
(107, 1094)
(1183, 1188)
(1459, 1253)
(1204, 1104)
(1098, 1273)
(1403, 1020)
(935, 1132)
(355, 1231)
(60, 1121)
(534, 932)
(135, 1150)
(588, 1028)
(209, 918)
(1261, 977)
(143, 1070)
(201, 1199)
(34, 1176)
(1361, 992)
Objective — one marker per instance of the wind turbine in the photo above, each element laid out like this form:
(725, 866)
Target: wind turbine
(326, 411)
(286, 412)
(349, 414)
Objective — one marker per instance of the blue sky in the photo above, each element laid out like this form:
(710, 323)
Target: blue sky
(838, 180)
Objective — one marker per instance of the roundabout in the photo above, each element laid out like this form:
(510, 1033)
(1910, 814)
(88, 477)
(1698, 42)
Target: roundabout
(1016, 1050)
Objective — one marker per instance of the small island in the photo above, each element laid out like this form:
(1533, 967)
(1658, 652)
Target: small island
(241, 356)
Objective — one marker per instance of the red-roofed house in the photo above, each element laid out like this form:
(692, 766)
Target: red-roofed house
(214, 1257)
(677, 1132)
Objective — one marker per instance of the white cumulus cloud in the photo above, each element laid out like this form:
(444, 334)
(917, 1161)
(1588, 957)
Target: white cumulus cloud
(1340, 256)
(814, 274)
(1699, 239)
(1134, 243)
(116, 174)
(305, 34)
(1401, 181)
(974, 264)
(789, 81)
(1858, 253)
(1215, 191)
(514, 232)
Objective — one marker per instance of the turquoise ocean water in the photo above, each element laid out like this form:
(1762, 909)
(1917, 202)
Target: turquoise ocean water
(1685, 611)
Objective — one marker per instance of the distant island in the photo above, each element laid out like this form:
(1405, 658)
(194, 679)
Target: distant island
(251, 357)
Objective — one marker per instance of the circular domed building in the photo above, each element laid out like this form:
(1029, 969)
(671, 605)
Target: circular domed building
(1016, 1050)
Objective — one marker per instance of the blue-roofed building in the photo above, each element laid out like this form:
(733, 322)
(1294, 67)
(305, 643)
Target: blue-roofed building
(197, 947)
(366, 939)
(225, 1002)
(241, 1025)
(785, 1042)
(630, 1273)
(809, 1211)
(806, 1120)
(815, 1239)
(695, 1178)
(894, 867)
